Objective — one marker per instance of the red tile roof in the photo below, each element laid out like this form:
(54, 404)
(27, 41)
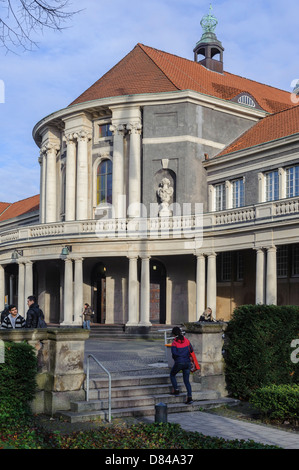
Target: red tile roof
(273, 127)
(18, 208)
(149, 70)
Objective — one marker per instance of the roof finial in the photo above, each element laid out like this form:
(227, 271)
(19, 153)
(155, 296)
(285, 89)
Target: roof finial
(209, 22)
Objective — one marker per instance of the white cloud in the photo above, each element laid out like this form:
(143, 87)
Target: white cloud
(260, 41)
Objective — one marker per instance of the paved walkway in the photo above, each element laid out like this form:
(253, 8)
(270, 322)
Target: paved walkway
(136, 357)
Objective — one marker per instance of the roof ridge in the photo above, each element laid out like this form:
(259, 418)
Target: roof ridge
(142, 47)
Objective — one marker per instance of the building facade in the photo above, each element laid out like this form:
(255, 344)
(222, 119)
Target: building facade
(168, 186)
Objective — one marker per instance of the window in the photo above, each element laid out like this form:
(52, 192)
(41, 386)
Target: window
(220, 197)
(272, 186)
(224, 266)
(295, 260)
(282, 261)
(104, 130)
(292, 181)
(244, 99)
(104, 182)
(238, 193)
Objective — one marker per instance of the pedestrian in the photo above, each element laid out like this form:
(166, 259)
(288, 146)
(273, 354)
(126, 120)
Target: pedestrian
(181, 349)
(207, 315)
(4, 313)
(13, 319)
(34, 316)
(87, 316)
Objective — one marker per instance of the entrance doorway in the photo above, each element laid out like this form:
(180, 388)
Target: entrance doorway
(98, 283)
(157, 292)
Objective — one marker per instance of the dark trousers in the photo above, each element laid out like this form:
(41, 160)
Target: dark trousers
(185, 368)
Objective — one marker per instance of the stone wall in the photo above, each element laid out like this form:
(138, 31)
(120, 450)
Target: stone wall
(60, 354)
(207, 341)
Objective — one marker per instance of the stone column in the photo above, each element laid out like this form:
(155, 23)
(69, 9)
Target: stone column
(41, 161)
(118, 170)
(260, 277)
(51, 183)
(2, 287)
(271, 278)
(133, 297)
(21, 290)
(68, 292)
(200, 285)
(134, 169)
(70, 178)
(28, 281)
(145, 292)
(78, 291)
(82, 176)
(212, 283)
(11, 291)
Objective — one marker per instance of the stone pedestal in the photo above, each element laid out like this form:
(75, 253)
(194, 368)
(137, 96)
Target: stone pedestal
(207, 341)
(60, 354)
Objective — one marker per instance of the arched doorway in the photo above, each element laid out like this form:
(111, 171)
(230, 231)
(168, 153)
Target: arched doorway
(98, 283)
(157, 292)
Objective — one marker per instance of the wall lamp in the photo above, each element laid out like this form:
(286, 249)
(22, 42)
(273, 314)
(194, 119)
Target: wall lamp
(16, 253)
(66, 250)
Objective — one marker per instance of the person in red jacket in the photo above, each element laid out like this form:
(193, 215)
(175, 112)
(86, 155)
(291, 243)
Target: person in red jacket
(181, 349)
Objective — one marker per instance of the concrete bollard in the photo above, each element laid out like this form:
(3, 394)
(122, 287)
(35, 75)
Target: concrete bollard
(161, 413)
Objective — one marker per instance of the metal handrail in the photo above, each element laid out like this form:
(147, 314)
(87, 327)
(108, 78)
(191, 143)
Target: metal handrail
(109, 379)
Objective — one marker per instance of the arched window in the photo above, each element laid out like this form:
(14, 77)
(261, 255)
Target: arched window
(104, 182)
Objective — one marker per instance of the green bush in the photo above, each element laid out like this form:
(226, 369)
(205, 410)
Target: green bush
(258, 348)
(17, 380)
(277, 401)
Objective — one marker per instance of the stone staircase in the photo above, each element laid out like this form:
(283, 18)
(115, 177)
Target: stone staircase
(120, 331)
(137, 396)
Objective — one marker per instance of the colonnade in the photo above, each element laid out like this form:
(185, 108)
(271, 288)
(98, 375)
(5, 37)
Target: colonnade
(77, 135)
(139, 292)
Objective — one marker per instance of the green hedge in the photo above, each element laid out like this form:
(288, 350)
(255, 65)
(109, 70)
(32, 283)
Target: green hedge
(17, 380)
(258, 348)
(277, 401)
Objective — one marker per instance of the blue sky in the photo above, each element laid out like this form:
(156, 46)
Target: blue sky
(260, 39)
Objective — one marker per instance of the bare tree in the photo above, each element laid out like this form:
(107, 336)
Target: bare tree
(20, 20)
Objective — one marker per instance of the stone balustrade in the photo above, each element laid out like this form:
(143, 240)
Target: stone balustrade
(159, 227)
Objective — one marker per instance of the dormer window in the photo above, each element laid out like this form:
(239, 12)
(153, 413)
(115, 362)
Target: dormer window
(245, 99)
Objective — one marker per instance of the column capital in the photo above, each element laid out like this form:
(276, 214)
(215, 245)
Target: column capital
(70, 137)
(49, 147)
(134, 127)
(82, 136)
(117, 129)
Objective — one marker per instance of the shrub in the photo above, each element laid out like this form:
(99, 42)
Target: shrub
(258, 349)
(17, 381)
(277, 401)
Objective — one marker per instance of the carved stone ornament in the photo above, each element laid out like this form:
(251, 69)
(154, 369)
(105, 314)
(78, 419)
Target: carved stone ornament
(164, 193)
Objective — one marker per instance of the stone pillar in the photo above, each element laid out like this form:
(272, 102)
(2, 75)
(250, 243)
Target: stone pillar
(133, 297)
(78, 291)
(82, 176)
(51, 184)
(271, 278)
(145, 292)
(118, 170)
(2, 287)
(212, 283)
(68, 292)
(200, 285)
(134, 169)
(21, 290)
(260, 277)
(28, 281)
(42, 163)
(70, 178)
(11, 291)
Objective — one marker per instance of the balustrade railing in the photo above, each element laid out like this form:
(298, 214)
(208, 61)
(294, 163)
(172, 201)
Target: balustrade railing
(171, 227)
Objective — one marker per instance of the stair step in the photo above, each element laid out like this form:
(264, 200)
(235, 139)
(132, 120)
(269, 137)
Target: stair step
(139, 411)
(145, 400)
(134, 381)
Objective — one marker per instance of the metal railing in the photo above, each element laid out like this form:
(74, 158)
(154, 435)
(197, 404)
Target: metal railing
(109, 379)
